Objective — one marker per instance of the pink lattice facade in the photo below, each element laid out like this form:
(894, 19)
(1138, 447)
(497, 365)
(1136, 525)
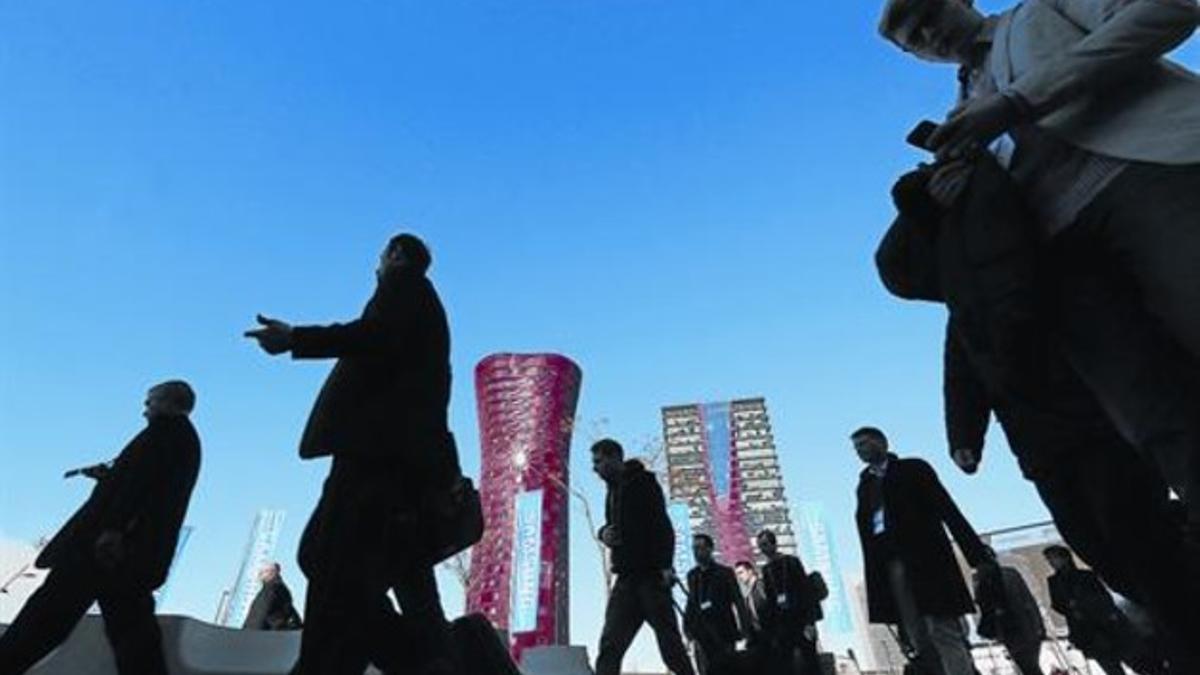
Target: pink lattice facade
(526, 405)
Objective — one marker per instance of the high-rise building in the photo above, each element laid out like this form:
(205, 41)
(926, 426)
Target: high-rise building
(721, 462)
(519, 572)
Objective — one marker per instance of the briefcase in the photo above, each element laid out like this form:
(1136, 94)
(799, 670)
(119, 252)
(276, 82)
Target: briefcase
(453, 530)
(480, 648)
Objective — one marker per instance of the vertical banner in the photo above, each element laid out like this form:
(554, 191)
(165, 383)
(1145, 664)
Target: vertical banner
(527, 562)
(818, 553)
(185, 533)
(682, 524)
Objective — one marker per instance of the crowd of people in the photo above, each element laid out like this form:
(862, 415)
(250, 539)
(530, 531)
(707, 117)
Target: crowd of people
(1058, 221)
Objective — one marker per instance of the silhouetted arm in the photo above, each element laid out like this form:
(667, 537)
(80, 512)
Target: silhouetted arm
(380, 331)
(966, 405)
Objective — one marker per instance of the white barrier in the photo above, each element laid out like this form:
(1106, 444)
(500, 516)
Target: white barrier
(555, 661)
(191, 647)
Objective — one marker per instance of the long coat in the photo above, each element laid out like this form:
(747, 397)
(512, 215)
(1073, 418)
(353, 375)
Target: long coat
(791, 601)
(386, 398)
(272, 609)
(917, 512)
(1009, 612)
(714, 606)
(145, 497)
(1092, 616)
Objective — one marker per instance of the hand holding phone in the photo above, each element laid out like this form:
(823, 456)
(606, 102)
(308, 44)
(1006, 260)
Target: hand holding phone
(919, 136)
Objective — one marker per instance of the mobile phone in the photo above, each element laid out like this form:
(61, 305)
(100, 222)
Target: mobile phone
(919, 136)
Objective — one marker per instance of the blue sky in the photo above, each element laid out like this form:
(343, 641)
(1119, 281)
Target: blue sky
(682, 197)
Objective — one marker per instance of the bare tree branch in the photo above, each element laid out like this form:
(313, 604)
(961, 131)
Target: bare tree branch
(460, 565)
(593, 531)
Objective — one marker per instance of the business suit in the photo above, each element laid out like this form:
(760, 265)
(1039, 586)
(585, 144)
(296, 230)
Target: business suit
(381, 414)
(912, 576)
(1059, 54)
(1095, 625)
(1010, 615)
(272, 608)
(710, 618)
(144, 497)
(1092, 72)
(791, 605)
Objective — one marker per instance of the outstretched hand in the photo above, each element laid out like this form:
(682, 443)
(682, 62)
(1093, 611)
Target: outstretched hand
(972, 126)
(275, 336)
(97, 471)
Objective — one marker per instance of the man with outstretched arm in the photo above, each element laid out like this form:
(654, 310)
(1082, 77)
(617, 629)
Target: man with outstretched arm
(381, 415)
(117, 548)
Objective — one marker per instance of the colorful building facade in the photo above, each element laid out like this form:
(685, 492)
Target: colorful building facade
(519, 572)
(722, 463)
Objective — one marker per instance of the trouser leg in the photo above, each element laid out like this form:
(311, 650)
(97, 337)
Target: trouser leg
(1026, 656)
(702, 663)
(622, 619)
(950, 642)
(1135, 338)
(1140, 379)
(345, 585)
(660, 614)
(1143, 547)
(46, 620)
(133, 631)
(912, 624)
(425, 621)
(712, 658)
(1147, 222)
(810, 663)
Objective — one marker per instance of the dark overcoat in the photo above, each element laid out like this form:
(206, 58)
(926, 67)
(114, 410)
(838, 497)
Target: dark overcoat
(385, 400)
(917, 513)
(144, 496)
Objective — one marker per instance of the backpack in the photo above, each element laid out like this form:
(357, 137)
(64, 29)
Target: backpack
(819, 587)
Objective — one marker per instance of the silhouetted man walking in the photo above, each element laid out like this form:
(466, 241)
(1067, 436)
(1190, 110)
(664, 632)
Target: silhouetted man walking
(791, 611)
(272, 607)
(715, 608)
(912, 577)
(1094, 623)
(639, 535)
(118, 546)
(1010, 615)
(382, 416)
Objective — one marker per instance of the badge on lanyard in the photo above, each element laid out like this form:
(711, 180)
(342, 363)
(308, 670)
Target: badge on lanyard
(781, 600)
(706, 605)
